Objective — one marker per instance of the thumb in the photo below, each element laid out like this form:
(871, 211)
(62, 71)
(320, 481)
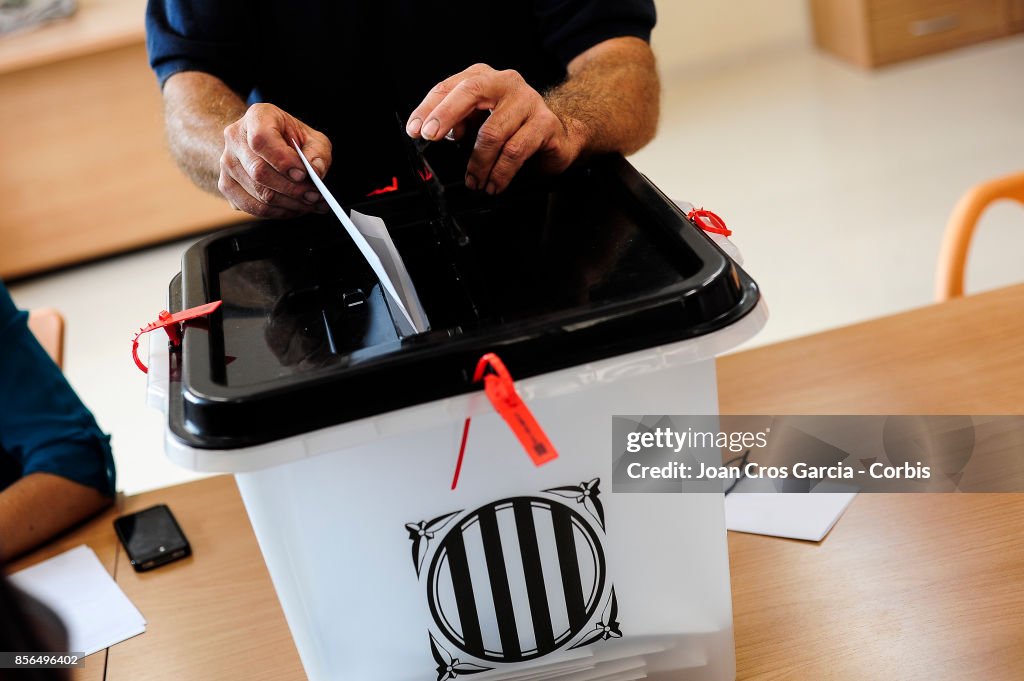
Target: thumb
(317, 148)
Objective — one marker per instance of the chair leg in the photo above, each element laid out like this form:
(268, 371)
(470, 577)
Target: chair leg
(949, 278)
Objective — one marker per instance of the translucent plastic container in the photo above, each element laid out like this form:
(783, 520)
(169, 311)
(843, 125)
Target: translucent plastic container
(602, 299)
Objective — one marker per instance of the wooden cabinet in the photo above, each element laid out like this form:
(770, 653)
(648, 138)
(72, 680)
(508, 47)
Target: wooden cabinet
(85, 170)
(1017, 15)
(876, 32)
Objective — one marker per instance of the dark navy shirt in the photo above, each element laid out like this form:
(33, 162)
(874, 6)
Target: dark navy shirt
(347, 67)
(44, 427)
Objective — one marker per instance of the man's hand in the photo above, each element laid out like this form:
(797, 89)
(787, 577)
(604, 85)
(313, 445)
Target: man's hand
(260, 171)
(521, 125)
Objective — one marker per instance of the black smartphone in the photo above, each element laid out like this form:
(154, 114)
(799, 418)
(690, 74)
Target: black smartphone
(152, 538)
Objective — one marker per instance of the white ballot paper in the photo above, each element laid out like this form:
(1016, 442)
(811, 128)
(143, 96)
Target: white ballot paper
(796, 516)
(94, 610)
(376, 233)
(371, 237)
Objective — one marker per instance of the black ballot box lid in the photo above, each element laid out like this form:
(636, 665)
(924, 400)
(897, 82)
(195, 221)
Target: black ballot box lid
(555, 273)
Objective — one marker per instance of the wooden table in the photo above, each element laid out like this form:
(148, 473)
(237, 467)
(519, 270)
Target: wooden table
(211, 616)
(214, 615)
(915, 586)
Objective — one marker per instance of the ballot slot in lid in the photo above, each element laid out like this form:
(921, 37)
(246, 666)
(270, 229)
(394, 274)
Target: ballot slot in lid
(298, 298)
(555, 274)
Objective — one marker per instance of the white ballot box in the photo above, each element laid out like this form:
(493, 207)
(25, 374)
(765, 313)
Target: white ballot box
(419, 527)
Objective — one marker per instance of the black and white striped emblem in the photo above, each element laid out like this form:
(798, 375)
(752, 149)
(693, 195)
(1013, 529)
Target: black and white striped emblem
(516, 579)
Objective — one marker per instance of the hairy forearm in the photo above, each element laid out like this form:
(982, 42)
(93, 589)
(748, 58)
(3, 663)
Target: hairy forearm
(610, 100)
(38, 506)
(197, 108)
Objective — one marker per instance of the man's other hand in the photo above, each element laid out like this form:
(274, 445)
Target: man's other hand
(260, 171)
(520, 126)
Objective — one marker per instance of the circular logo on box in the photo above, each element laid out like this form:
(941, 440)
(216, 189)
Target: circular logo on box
(516, 579)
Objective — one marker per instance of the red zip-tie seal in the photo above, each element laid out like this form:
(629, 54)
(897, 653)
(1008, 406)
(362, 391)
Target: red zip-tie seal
(170, 323)
(717, 224)
(501, 392)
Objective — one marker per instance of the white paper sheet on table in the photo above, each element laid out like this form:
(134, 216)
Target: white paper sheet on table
(91, 605)
(793, 515)
(379, 251)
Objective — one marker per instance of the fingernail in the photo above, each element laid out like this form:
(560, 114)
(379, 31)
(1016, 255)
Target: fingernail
(311, 197)
(471, 183)
(430, 129)
(491, 188)
(414, 126)
(319, 166)
(296, 175)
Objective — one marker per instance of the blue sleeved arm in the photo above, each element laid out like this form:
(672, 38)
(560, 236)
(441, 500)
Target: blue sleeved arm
(570, 27)
(193, 35)
(44, 427)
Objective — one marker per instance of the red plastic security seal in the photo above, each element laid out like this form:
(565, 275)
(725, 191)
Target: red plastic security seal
(714, 223)
(501, 392)
(170, 323)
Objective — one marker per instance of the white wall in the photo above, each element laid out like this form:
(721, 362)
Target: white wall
(696, 32)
